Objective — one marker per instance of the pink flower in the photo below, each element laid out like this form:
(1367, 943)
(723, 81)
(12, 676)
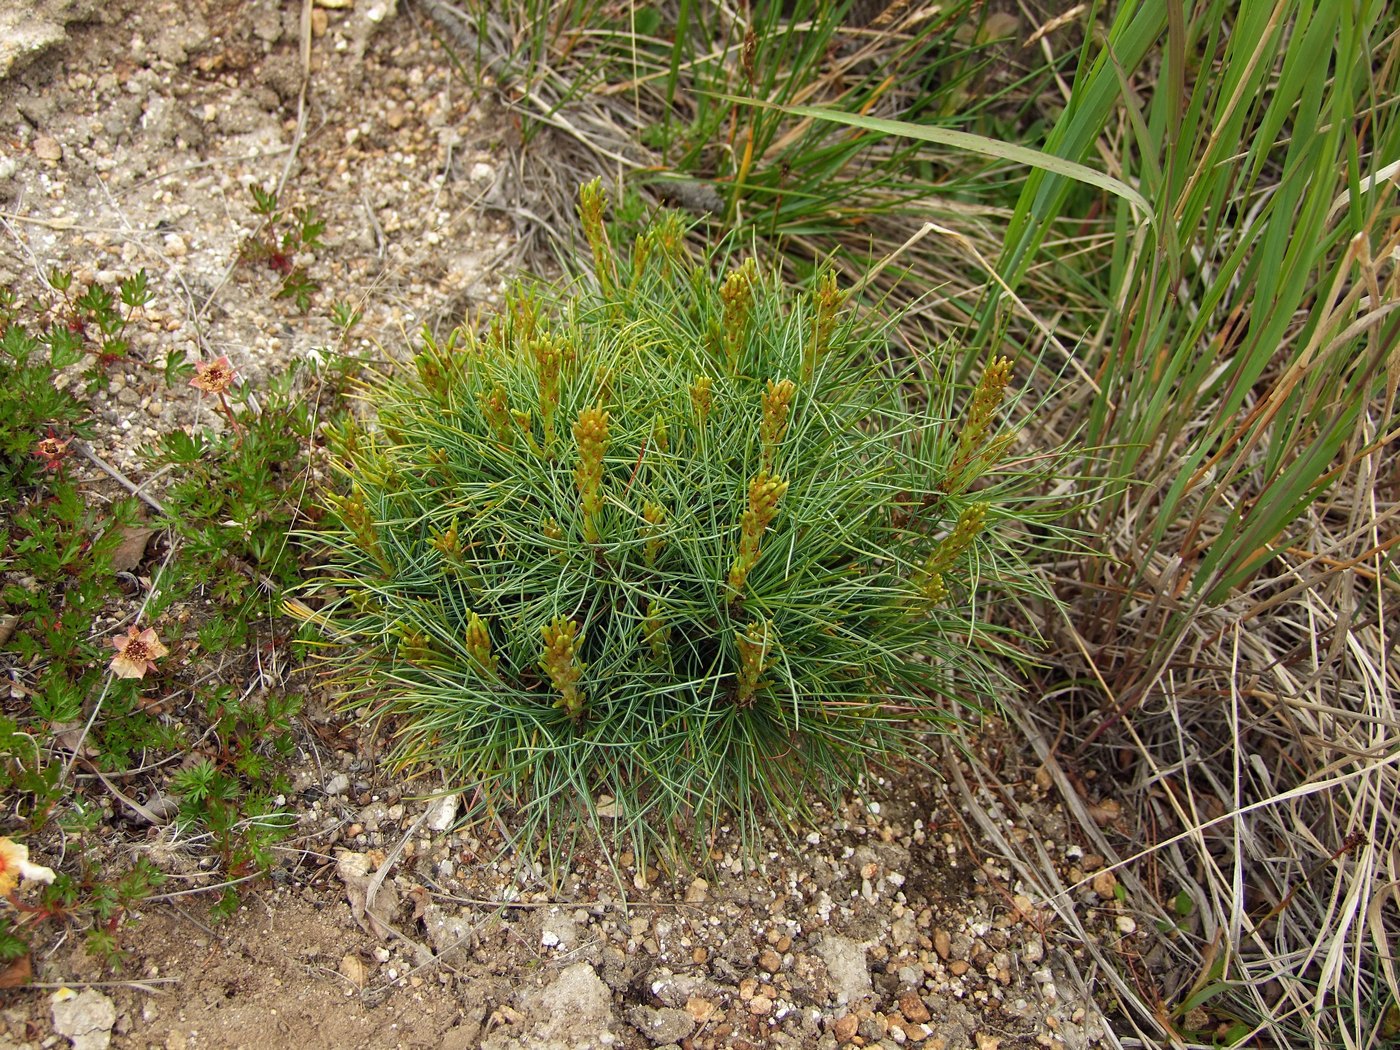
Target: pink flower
(214, 377)
(52, 451)
(137, 652)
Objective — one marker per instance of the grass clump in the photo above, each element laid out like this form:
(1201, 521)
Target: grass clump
(683, 541)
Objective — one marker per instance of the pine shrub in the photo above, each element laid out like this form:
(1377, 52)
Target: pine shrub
(674, 551)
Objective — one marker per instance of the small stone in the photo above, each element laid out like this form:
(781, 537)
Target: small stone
(760, 1006)
(1033, 951)
(85, 1017)
(665, 1026)
(913, 1008)
(988, 1042)
(700, 956)
(46, 147)
(175, 246)
(338, 784)
(700, 1009)
(697, 892)
(352, 968)
(845, 1028)
(874, 1027)
(1106, 812)
(847, 967)
(319, 23)
(1105, 885)
(958, 967)
(770, 961)
(442, 811)
(942, 943)
(1126, 924)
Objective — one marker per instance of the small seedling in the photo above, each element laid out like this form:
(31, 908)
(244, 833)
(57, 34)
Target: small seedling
(278, 242)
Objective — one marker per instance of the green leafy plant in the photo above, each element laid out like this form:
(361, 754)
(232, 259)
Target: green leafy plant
(683, 541)
(231, 495)
(278, 241)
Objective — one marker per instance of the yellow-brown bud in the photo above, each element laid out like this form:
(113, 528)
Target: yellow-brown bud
(737, 296)
(591, 438)
(592, 200)
(826, 302)
(479, 646)
(957, 542)
(764, 493)
(655, 516)
(775, 419)
(656, 630)
(978, 420)
(548, 360)
(496, 411)
(756, 643)
(701, 397)
(560, 662)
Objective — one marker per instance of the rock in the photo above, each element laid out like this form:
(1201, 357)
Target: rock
(847, 967)
(465, 1035)
(770, 960)
(662, 1026)
(373, 916)
(338, 784)
(46, 147)
(85, 1017)
(572, 1013)
(697, 892)
(352, 968)
(452, 936)
(442, 811)
(845, 1028)
(942, 943)
(904, 931)
(913, 1008)
(700, 1009)
(28, 28)
(1033, 951)
(1105, 884)
(558, 930)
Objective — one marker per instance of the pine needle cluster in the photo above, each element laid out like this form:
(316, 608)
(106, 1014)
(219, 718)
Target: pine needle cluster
(669, 543)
